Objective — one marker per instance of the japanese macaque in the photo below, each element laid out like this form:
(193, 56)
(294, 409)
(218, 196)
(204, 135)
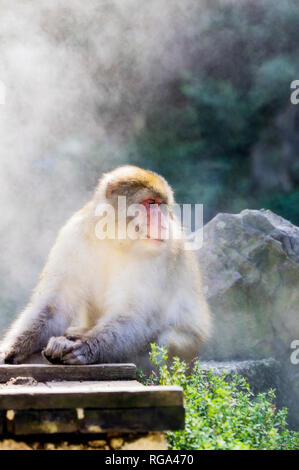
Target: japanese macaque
(107, 298)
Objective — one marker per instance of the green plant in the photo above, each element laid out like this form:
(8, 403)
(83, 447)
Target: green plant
(221, 411)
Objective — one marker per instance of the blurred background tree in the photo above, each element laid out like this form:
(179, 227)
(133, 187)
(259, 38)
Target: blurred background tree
(226, 134)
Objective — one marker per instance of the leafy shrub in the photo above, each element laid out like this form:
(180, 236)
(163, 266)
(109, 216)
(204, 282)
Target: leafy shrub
(221, 413)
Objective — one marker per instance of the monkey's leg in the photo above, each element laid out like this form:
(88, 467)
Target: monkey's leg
(120, 339)
(31, 332)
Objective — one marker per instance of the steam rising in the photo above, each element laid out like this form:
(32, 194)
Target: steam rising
(78, 77)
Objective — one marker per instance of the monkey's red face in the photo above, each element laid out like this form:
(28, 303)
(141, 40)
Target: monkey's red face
(156, 227)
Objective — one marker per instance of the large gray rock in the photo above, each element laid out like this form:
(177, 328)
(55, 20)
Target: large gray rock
(250, 266)
(261, 374)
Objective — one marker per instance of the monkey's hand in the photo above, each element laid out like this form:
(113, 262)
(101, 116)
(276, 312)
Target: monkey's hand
(56, 348)
(84, 350)
(12, 356)
(71, 350)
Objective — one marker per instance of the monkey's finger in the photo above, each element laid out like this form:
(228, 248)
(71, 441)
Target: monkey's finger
(13, 358)
(74, 357)
(79, 360)
(51, 360)
(73, 337)
(74, 346)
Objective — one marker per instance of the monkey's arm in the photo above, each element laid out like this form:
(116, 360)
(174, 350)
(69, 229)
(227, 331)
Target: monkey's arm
(31, 331)
(55, 302)
(118, 339)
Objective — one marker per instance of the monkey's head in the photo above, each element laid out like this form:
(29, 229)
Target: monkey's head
(141, 201)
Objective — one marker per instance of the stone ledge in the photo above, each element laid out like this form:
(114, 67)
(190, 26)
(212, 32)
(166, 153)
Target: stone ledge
(115, 441)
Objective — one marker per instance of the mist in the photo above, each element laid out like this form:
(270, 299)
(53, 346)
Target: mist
(77, 78)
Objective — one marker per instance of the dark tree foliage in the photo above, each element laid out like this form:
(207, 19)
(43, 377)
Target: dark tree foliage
(227, 134)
